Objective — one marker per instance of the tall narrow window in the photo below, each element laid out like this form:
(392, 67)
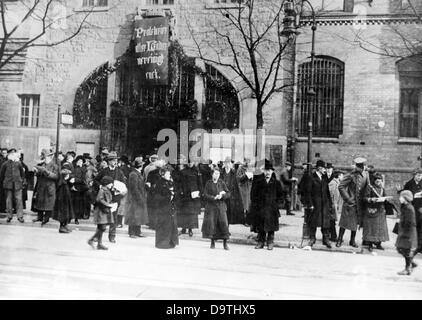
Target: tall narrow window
(410, 73)
(327, 105)
(29, 111)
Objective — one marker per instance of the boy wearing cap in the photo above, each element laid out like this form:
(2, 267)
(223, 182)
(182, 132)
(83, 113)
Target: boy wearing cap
(11, 178)
(103, 214)
(352, 189)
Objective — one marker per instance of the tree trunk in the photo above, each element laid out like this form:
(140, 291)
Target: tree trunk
(259, 126)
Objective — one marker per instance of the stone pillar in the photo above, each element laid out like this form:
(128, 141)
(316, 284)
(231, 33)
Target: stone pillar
(199, 89)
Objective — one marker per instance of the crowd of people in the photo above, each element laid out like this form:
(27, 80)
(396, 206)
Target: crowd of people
(166, 198)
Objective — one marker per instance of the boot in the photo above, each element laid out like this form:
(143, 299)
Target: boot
(407, 270)
(119, 221)
(260, 245)
(370, 247)
(352, 240)
(63, 229)
(379, 246)
(225, 246)
(212, 244)
(100, 245)
(414, 264)
(326, 241)
(340, 237)
(190, 233)
(93, 239)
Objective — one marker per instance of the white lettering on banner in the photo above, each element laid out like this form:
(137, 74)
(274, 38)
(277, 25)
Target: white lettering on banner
(158, 60)
(151, 31)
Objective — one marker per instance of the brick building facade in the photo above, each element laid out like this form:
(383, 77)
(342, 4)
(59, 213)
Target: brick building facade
(367, 91)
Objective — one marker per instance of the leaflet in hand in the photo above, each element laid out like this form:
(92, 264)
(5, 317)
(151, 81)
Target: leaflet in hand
(195, 194)
(382, 199)
(418, 195)
(114, 207)
(249, 174)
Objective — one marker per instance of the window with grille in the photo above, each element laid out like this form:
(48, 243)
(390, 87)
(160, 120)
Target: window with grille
(159, 2)
(410, 75)
(327, 103)
(29, 111)
(94, 3)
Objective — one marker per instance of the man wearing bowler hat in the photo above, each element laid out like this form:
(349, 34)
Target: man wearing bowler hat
(318, 201)
(266, 202)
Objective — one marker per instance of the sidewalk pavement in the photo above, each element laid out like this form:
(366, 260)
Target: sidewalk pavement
(289, 235)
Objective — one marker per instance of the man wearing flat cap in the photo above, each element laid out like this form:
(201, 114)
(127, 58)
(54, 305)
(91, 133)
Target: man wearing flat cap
(11, 178)
(288, 182)
(415, 186)
(317, 200)
(352, 189)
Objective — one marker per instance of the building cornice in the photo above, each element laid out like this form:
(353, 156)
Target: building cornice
(342, 19)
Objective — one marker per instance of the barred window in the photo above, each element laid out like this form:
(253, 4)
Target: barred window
(95, 3)
(410, 75)
(29, 111)
(327, 105)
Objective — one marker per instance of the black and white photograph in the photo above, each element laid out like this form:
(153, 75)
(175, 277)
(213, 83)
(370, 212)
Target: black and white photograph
(223, 152)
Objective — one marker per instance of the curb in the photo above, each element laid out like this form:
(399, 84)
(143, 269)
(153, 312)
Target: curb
(283, 244)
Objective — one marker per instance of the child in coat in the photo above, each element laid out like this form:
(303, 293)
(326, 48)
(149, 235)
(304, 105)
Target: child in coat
(103, 212)
(407, 240)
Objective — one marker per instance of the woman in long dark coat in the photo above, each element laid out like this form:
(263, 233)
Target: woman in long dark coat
(63, 208)
(166, 235)
(244, 176)
(407, 239)
(136, 213)
(375, 228)
(235, 212)
(215, 225)
(190, 199)
(80, 199)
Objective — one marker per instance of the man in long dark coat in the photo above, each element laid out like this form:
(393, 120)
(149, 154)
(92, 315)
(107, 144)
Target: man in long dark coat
(318, 201)
(352, 189)
(288, 181)
(3, 159)
(415, 186)
(136, 213)
(266, 202)
(45, 194)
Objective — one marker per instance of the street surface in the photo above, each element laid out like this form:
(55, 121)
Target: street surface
(40, 263)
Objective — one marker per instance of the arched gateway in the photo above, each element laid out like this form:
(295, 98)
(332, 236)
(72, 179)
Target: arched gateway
(204, 97)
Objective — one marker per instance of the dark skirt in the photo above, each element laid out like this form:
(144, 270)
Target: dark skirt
(375, 227)
(215, 225)
(63, 208)
(166, 234)
(81, 205)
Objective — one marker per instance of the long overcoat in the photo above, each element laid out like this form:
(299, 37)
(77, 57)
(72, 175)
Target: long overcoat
(245, 186)
(80, 198)
(63, 208)
(266, 200)
(352, 189)
(318, 196)
(235, 212)
(215, 225)
(336, 199)
(375, 227)
(188, 208)
(136, 212)
(407, 237)
(45, 193)
(166, 234)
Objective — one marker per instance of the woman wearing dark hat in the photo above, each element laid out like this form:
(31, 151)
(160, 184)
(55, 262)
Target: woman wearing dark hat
(375, 228)
(103, 212)
(215, 225)
(136, 213)
(407, 240)
(166, 235)
(63, 208)
(79, 188)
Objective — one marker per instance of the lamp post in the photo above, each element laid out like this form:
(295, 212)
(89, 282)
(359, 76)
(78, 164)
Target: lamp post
(289, 29)
(62, 118)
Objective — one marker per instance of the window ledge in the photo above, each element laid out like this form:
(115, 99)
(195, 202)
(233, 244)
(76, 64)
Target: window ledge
(416, 141)
(92, 9)
(222, 6)
(318, 140)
